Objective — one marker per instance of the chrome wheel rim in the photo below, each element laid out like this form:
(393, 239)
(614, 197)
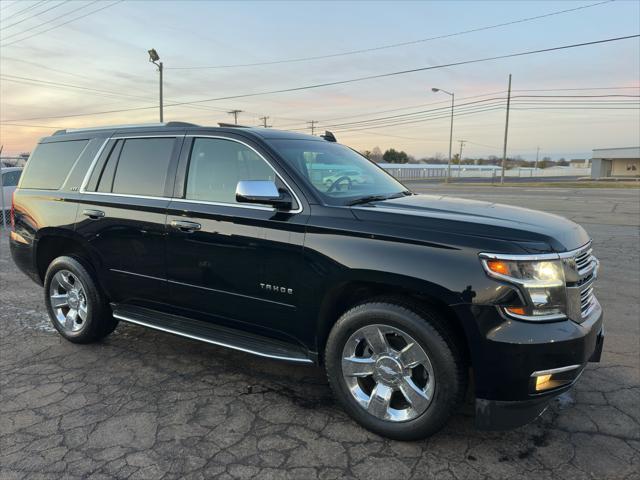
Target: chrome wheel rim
(68, 301)
(388, 373)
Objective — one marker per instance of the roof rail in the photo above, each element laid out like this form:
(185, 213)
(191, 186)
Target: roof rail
(232, 125)
(119, 127)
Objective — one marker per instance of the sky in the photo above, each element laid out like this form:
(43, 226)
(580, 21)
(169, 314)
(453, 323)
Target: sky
(64, 63)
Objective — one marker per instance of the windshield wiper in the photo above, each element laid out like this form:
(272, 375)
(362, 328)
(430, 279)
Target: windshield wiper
(376, 198)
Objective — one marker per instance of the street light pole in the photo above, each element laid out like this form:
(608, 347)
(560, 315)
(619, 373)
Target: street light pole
(154, 58)
(450, 129)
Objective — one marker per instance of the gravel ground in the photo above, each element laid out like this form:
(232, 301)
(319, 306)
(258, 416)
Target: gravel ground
(143, 404)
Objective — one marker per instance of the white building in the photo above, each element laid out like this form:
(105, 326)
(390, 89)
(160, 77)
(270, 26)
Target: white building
(615, 162)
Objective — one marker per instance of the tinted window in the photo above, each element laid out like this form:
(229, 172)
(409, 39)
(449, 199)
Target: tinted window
(142, 166)
(105, 182)
(50, 163)
(338, 173)
(11, 179)
(216, 167)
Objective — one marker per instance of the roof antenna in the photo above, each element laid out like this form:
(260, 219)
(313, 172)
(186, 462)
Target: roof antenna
(329, 137)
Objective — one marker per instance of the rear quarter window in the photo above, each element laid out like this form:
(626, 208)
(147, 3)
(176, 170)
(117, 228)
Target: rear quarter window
(50, 164)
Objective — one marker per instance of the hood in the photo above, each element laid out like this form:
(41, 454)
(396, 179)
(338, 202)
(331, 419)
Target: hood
(477, 218)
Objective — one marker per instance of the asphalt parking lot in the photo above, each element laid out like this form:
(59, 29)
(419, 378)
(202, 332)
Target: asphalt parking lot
(147, 405)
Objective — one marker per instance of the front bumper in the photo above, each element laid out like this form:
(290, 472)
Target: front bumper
(505, 354)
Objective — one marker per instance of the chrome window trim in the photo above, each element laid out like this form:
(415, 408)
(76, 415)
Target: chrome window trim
(66, 179)
(235, 205)
(92, 167)
(94, 162)
(87, 175)
(128, 195)
(293, 192)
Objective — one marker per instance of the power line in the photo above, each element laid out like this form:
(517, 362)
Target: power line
(461, 105)
(394, 45)
(488, 108)
(62, 24)
(573, 89)
(34, 15)
(92, 91)
(23, 125)
(66, 14)
(410, 107)
(199, 107)
(434, 115)
(30, 7)
(353, 80)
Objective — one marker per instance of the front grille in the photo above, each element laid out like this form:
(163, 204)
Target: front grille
(584, 260)
(581, 271)
(587, 301)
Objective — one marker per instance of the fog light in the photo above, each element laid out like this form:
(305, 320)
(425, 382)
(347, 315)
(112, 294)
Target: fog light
(542, 382)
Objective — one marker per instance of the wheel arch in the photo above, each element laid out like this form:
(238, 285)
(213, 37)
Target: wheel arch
(52, 243)
(416, 295)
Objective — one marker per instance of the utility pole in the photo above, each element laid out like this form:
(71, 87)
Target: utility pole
(235, 115)
(506, 132)
(313, 126)
(462, 142)
(535, 168)
(264, 121)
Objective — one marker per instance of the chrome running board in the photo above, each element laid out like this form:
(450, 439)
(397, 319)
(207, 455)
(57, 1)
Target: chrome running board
(211, 333)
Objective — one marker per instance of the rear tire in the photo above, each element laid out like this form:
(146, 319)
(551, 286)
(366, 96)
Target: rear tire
(395, 369)
(75, 302)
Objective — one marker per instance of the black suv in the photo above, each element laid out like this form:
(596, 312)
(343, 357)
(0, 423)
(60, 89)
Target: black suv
(297, 248)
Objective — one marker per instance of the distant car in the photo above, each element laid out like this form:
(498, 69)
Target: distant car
(10, 179)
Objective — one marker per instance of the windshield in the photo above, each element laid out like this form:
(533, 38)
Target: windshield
(338, 173)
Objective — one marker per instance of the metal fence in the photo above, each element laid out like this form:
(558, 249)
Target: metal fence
(418, 172)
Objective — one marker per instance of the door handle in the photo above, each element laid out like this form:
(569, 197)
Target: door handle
(184, 226)
(93, 214)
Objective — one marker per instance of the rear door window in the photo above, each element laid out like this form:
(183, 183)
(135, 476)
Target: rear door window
(142, 166)
(50, 164)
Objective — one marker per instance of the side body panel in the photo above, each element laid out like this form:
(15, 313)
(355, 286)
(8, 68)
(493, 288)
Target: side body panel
(240, 267)
(128, 239)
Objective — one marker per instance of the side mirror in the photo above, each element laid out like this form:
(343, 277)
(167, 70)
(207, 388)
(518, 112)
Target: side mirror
(262, 192)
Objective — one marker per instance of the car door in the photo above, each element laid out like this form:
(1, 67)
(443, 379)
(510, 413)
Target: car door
(230, 262)
(122, 215)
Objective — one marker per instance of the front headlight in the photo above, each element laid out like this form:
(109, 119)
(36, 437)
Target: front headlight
(541, 282)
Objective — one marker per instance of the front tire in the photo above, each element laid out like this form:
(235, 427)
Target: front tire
(76, 305)
(395, 369)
